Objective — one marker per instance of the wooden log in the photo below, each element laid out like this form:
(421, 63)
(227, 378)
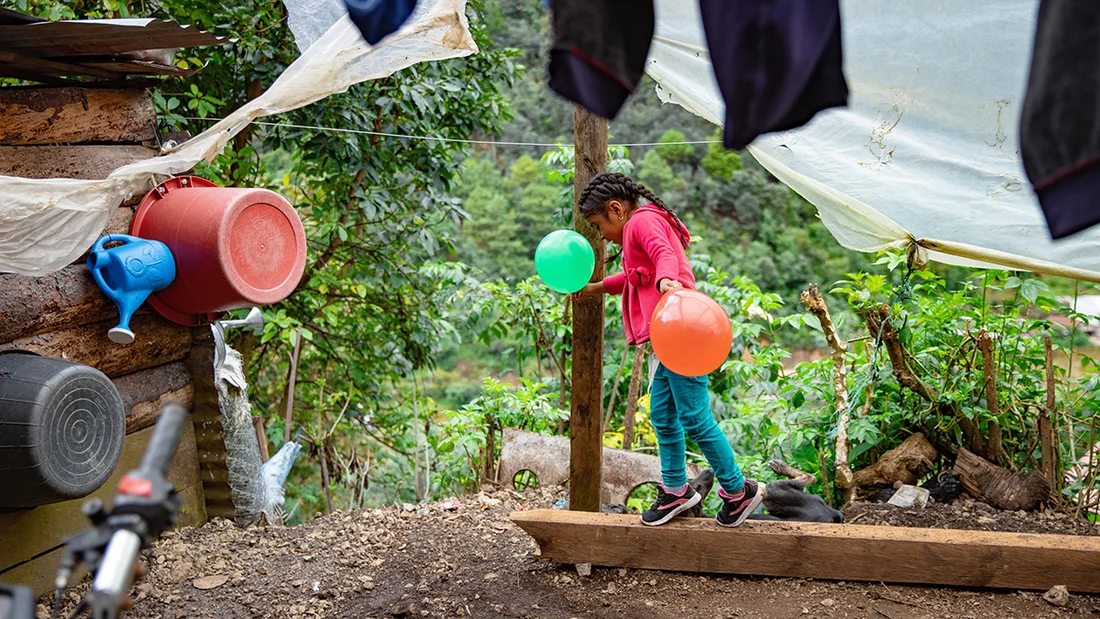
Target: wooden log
(148, 385)
(145, 414)
(907, 463)
(209, 434)
(83, 162)
(30, 532)
(822, 551)
(585, 414)
(65, 299)
(73, 115)
(157, 342)
(998, 486)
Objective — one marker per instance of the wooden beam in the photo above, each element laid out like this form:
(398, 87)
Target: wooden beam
(822, 551)
(586, 408)
(73, 115)
(28, 533)
(157, 342)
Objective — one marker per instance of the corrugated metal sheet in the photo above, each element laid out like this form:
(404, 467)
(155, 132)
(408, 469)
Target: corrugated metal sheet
(109, 49)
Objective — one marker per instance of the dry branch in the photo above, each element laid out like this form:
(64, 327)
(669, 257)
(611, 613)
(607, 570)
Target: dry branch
(815, 303)
(1049, 446)
(878, 323)
(993, 449)
(632, 395)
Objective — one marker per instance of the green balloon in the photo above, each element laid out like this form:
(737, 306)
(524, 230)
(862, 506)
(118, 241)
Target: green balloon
(564, 260)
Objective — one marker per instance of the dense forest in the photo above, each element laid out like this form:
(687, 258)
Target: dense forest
(422, 327)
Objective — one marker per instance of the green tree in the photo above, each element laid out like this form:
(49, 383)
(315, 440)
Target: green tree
(525, 171)
(720, 163)
(675, 153)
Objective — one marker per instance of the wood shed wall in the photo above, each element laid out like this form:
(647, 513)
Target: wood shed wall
(64, 314)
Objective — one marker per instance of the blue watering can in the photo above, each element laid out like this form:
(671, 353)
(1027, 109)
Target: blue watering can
(128, 274)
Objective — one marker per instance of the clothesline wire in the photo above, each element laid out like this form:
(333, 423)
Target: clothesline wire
(406, 136)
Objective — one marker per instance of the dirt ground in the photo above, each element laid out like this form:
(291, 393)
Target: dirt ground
(439, 561)
(970, 515)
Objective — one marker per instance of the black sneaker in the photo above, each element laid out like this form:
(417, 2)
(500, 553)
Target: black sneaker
(735, 511)
(668, 506)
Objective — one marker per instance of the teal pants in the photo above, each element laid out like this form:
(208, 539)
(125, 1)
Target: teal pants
(679, 404)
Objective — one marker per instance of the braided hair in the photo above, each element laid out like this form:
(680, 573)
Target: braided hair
(607, 186)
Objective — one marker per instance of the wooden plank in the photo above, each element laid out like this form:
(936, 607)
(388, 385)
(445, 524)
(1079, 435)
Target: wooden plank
(81, 161)
(30, 532)
(158, 341)
(824, 551)
(38, 573)
(586, 407)
(74, 115)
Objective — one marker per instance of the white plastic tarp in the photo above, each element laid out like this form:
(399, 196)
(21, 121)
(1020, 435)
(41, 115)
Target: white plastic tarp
(45, 224)
(927, 151)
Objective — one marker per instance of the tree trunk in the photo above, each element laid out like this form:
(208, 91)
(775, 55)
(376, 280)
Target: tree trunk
(290, 383)
(632, 395)
(488, 472)
(324, 476)
(615, 390)
(1049, 446)
(993, 448)
(1000, 487)
(815, 303)
(585, 436)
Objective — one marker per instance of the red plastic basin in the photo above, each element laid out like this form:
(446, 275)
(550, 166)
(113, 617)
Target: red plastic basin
(233, 247)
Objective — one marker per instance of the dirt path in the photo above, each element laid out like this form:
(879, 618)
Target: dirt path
(472, 562)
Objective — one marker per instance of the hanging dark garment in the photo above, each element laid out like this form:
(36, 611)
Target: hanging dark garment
(377, 19)
(599, 51)
(778, 63)
(1060, 127)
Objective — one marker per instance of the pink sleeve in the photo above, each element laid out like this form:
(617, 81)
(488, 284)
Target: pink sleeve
(615, 283)
(653, 237)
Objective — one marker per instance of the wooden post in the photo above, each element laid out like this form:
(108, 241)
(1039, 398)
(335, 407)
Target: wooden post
(585, 436)
(1049, 463)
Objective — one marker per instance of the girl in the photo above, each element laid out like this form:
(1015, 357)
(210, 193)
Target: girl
(653, 241)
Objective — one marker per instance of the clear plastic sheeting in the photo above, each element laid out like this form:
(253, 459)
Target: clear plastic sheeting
(926, 153)
(45, 224)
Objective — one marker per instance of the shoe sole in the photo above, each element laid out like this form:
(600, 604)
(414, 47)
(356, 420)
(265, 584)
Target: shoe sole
(692, 502)
(745, 513)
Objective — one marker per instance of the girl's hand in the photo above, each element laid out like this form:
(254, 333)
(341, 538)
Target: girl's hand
(592, 288)
(668, 285)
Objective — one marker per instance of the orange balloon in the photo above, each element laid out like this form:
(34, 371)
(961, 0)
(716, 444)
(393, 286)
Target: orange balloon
(690, 332)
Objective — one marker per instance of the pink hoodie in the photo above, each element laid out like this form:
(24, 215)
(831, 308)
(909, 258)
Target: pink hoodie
(652, 251)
